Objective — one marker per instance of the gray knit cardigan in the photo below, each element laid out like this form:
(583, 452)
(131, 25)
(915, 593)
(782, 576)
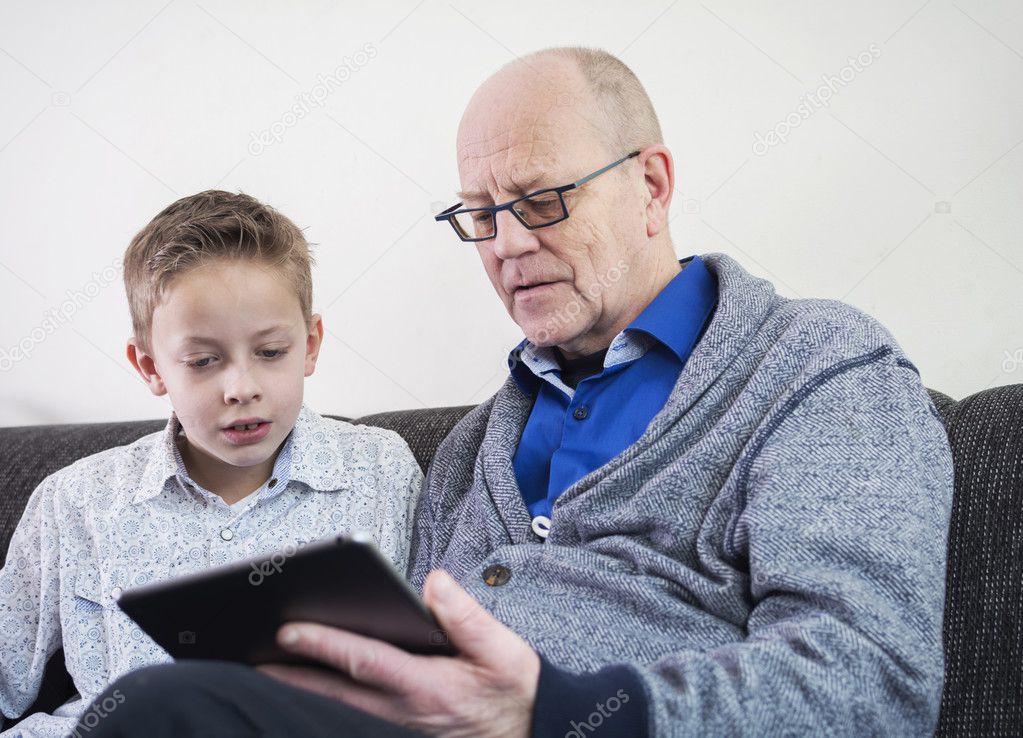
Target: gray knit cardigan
(767, 559)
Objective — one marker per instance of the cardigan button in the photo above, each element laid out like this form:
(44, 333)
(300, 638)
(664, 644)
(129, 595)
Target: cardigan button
(496, 574)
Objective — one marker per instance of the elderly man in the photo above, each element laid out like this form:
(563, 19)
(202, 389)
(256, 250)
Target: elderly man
(694, 508)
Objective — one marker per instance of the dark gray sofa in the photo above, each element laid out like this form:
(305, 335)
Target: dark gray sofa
(983, 630)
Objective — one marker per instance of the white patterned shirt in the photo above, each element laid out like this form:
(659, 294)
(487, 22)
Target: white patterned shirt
(132, 515)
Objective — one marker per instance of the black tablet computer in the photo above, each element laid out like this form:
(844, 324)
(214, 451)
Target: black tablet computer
(233, 612)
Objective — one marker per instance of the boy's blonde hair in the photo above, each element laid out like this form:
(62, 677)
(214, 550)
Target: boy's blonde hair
(200, 228)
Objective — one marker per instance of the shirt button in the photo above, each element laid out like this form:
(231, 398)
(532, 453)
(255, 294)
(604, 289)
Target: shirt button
(272, 483)
(115, 592)
(541, 525)
(226, 534)
(581, 413)
(496, 574)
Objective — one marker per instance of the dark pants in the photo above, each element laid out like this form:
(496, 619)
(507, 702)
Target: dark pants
(217, 698)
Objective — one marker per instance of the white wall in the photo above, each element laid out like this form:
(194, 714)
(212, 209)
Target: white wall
(902, 196)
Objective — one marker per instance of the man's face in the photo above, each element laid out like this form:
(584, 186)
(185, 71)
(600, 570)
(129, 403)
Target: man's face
(567, 283)
(230, 344)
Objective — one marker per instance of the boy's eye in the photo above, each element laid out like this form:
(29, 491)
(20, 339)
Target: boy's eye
(271, 353)
(200, 363)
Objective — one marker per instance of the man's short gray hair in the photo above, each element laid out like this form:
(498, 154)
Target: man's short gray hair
(630, 122)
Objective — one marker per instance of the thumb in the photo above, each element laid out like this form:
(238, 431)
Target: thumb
(468, 627)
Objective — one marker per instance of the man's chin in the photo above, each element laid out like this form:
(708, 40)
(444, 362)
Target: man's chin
(546, 328)
(544, 335)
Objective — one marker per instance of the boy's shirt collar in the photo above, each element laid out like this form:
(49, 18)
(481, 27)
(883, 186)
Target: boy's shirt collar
(165, 460)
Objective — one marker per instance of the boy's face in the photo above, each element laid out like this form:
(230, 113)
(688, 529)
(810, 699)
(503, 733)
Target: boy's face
(230, 346)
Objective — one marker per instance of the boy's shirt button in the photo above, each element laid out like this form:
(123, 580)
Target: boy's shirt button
(226, 534)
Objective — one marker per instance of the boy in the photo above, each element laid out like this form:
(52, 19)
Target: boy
(220, 293)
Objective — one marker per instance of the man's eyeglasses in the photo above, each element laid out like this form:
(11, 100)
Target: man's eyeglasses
(536, 210)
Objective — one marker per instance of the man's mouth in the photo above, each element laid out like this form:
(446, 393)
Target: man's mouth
(534, 288)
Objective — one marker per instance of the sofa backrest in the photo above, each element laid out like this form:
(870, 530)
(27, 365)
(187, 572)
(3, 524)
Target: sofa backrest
(984, 585)
(29, 454)
(984, 606)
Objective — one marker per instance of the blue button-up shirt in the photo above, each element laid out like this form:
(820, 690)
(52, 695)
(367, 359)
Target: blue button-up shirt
(570, 432)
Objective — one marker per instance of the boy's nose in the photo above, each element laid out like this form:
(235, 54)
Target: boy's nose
(241, 388)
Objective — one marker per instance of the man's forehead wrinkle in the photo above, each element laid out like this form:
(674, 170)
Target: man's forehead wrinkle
(511, 152)
(522, 169)
(512, 167)
(503, 134)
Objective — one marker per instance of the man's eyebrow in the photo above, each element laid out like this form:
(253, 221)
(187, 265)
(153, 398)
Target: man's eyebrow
(523, 188)
(462, 195)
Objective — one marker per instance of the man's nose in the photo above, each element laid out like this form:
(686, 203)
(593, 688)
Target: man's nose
(513, 239)
(242, 386)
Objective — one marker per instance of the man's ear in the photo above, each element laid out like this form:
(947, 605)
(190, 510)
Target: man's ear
(312, 343)
(146, 367)
(659, 179)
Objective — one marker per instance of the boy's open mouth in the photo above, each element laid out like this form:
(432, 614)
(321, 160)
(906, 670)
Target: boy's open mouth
(246, 430)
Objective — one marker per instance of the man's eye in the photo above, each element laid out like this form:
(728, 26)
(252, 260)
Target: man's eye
(481, 217)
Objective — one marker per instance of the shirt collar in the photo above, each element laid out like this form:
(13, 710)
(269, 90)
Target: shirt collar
(528, 362)
(165, 460)
(161, 464)
(674, 318)
(679, 312)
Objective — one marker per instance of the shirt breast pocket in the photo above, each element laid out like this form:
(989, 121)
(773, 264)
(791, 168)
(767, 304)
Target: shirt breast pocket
(106, 640)
(87, 653)
(89, 597)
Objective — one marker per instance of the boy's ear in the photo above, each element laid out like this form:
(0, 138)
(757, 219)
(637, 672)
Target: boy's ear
(146, 367)
(312, 343)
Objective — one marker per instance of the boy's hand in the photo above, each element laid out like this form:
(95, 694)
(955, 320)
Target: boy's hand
(487, 690)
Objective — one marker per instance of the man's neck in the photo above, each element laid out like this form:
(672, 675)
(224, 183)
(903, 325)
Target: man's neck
(576, 370)
(597, 340)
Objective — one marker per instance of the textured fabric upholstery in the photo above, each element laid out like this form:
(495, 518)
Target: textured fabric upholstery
(30, 454)
(423, 430)
(983, 630)
(944, 404)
